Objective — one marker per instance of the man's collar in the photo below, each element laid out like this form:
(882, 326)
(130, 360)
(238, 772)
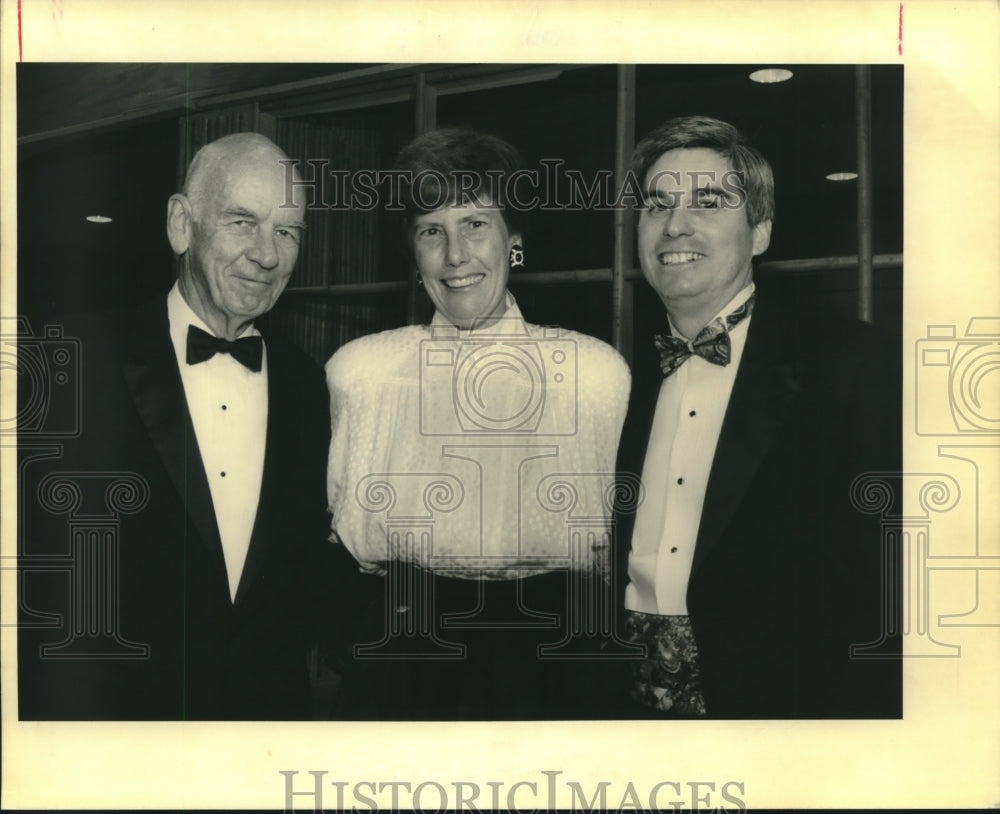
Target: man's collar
(181, 314)
(728, 308)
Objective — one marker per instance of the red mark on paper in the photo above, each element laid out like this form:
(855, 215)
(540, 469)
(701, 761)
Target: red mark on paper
(901, 29)
(20, 46)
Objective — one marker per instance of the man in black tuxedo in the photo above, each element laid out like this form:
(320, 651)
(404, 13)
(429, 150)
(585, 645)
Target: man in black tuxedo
(746, 570)
(217, 574)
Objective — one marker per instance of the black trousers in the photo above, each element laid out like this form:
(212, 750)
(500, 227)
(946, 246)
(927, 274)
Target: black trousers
(436, 647)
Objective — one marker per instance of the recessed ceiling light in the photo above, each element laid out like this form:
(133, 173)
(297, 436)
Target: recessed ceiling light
(769, 76)
(98, 218)
(841, 176)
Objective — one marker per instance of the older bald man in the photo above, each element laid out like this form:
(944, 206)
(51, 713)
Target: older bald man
(221, 571)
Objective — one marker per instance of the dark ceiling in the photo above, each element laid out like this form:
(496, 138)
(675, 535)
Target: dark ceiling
(57, 95)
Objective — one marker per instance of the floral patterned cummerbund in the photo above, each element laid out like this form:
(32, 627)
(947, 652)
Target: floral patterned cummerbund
(668, 679)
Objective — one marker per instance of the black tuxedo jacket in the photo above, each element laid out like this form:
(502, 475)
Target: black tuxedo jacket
(787, 573)
(208, 657)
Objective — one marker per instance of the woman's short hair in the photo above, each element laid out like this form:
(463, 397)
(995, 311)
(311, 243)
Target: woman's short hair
(448, 166)
(691, 132)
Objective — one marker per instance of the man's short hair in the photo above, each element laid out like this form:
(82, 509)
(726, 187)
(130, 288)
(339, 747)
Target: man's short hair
(692, 132)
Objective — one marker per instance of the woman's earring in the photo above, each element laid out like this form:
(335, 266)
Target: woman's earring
(516, 256)
(420, 281)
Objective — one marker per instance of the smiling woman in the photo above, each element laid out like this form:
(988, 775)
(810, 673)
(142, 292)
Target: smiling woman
(462, 254)
(470, 472)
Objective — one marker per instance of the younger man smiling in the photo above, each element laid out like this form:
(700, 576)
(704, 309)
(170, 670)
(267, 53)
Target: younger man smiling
(746, 571)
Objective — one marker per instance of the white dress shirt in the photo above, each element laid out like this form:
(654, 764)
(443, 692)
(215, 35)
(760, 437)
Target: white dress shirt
(685, 431)
(228, 407)
(484, 454)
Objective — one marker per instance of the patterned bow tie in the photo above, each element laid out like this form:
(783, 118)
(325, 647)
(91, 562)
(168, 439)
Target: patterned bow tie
(711, 343)
(202, 346)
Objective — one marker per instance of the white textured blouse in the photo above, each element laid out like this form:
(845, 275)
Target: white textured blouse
(484, 454)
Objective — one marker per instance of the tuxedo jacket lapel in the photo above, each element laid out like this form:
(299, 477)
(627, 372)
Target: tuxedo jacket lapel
(151, 374)
(766, 386)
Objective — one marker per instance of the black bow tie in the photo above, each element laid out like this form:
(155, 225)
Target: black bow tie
(711, 343)
(202, 346)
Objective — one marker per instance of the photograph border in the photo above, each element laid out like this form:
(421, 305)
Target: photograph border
(943, 753)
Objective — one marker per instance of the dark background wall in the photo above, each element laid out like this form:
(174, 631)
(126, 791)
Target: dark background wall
(112, 140)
